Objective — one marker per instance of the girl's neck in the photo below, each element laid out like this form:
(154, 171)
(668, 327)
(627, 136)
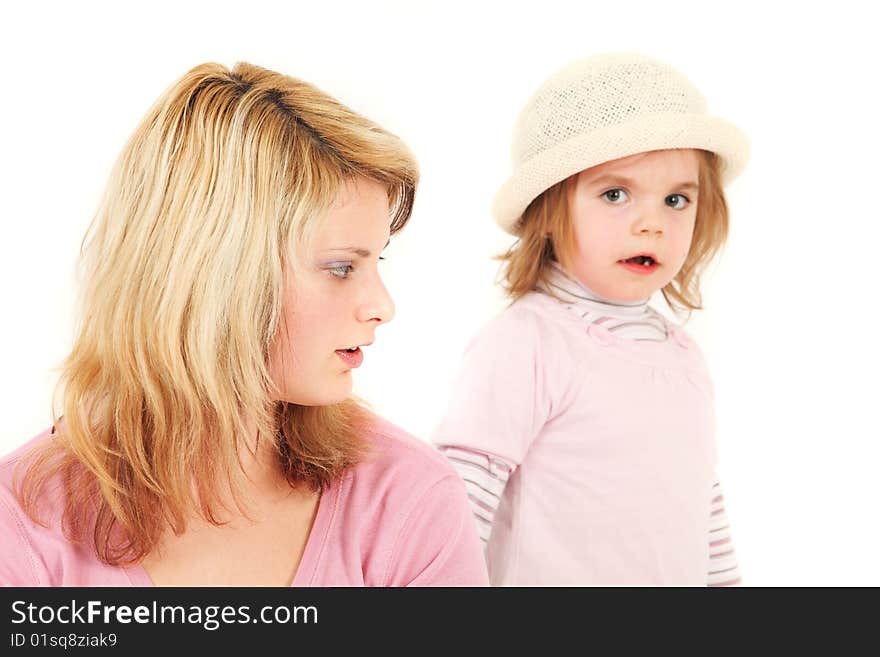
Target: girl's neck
(572, 290)
(627, 319)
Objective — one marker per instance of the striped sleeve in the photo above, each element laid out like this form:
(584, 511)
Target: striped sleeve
(723, 567)
(485, 476)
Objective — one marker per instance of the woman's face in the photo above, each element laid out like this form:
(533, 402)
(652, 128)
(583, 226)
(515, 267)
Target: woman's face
(335, 301)
(623, 210)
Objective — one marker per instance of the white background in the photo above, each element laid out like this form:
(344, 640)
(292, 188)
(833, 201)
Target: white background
(790, 323)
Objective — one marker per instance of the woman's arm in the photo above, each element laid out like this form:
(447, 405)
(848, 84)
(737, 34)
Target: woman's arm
(437, 544)
(18, 566)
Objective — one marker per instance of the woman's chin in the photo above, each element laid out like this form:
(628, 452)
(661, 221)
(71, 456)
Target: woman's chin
(325, 395)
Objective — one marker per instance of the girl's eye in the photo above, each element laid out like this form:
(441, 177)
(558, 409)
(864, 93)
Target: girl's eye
(341, 271)
(615, 196)
(677, 201)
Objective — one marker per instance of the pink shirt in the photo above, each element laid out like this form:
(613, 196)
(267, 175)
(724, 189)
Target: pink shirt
(400, 518)
(613, 443)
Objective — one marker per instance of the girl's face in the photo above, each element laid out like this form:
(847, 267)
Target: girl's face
(632, 222)
(335, 301)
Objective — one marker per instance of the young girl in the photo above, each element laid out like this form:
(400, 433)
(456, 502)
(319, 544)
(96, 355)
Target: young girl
(582, 423)
(208, 434)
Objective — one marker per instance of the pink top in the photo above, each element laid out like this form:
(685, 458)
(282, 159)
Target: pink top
(400, 518)
(613, 445)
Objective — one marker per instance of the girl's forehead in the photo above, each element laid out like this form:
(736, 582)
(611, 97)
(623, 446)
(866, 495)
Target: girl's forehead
(632, 164)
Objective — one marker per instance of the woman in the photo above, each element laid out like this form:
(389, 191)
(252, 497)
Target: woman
(207, 433)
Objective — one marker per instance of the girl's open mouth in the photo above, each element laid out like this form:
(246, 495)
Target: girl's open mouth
(640, 264)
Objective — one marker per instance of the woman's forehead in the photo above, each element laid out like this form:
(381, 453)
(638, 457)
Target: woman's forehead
(361, 213)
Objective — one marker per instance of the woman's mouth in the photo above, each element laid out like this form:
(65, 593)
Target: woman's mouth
(353, 356)
(640, 264)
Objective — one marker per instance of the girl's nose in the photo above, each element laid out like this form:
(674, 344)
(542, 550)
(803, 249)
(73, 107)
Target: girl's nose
(648, 221)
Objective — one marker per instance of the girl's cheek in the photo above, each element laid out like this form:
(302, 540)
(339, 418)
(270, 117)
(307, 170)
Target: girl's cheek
(604, 244)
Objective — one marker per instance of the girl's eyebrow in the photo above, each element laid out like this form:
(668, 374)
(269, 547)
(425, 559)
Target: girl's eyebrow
(612, 179)
(363, 253)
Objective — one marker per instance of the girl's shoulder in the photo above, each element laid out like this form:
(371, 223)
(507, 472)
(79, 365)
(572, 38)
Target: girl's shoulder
(537, 305)
(534, 319)
(678, 334)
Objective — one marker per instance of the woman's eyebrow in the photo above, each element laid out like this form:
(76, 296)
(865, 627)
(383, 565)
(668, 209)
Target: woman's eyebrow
(363, 253)
(611, 179)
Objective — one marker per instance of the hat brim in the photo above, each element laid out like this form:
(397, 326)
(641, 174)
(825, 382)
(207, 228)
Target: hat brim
(648, 133)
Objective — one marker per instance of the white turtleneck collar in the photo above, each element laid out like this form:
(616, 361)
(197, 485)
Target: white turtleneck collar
(630, 319)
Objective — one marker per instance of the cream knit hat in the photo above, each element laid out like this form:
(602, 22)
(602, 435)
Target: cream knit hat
(604, 108)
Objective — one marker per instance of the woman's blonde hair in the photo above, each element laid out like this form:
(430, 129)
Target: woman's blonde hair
(182, 284)
(545, 235)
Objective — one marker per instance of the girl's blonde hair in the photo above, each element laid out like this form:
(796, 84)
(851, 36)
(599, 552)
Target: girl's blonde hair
(545, 235)
(182, 268)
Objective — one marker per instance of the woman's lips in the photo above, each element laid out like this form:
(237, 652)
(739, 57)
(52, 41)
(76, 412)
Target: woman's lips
(639, 269)
(351, 358)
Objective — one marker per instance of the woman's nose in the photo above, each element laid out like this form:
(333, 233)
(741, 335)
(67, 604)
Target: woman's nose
(379, 306)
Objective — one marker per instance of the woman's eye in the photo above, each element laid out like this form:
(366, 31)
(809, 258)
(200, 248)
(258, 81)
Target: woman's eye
(341, 271)
(615, 195)
(677, 201)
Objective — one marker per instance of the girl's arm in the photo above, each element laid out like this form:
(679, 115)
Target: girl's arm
(723, 568)
(498, 405)
(485, 476)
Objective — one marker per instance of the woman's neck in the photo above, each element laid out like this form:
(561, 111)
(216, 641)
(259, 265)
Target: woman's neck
(260, 466)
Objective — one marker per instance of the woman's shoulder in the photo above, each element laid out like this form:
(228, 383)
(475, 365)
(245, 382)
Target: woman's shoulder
(402, 516)
(398, 471)
(21, 562)
(397, 456)
(14, 469)
(12, 462)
